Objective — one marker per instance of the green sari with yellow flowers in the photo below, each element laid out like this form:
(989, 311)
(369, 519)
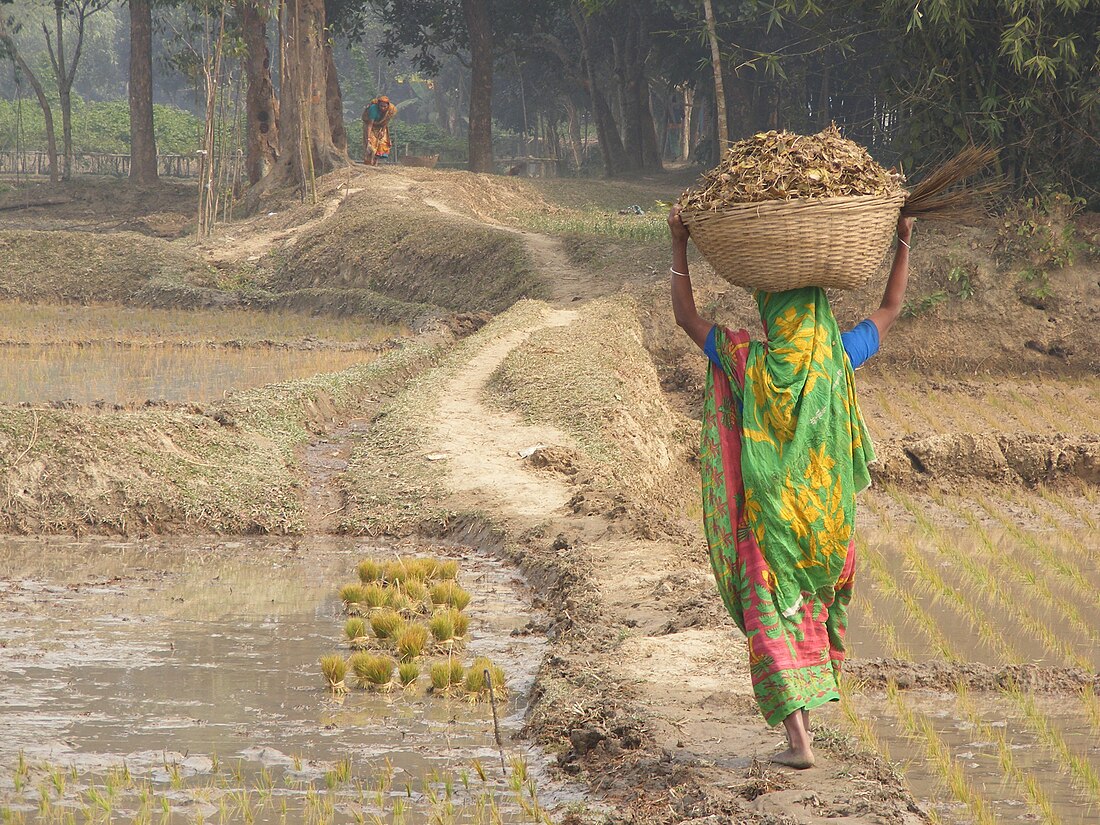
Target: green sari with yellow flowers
(784, 452)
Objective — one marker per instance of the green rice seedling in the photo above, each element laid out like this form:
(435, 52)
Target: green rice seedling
(449, 593)
(913, 609)
(1025, 575)
(375, 597)
(334, 669)
(400, 603)
(863, 729)
(447, 569)
(442, 626)
(355, 628)
(962, 604)
(386, 624)
(447, 674)
(370, 570)
(1069, 572)
(400, 571)
(1092, 708)
(372, 670)
(461, 623)
(983, 578)
(1077, 766)
(408, 673)
(416, 592)
(475, 683)
(1026, 782)
(412, 641)
(940, 758)
(353, 594)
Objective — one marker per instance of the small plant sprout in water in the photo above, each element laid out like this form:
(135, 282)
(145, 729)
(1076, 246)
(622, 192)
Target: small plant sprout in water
(442, 626)
(370, 570)
(387, 624)
(355, 629)
(352, 594)
(408, 673)
(411, 642)
(447, 673)
(334, 669)
(475, 683)
(450, 594)
(371, 670)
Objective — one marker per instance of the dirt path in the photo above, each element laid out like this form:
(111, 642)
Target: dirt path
(484, 448)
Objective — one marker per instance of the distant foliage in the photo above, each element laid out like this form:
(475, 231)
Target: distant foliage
(101, 127)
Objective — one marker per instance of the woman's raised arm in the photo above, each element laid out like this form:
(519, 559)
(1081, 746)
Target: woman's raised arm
(894, 296)
(683, 300)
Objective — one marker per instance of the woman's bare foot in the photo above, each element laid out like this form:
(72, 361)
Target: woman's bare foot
(795, 759)
(798, 755)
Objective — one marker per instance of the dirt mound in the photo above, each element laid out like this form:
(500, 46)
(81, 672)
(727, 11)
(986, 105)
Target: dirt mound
(876, 674)
(88, 267)
(414, 255)
(1007, 458)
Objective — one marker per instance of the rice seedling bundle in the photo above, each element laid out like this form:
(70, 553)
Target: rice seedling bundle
(461, 622)
(386, 624)
(408, 673)
(352, 593)
(376, 596)
(334, 669)
(447, 569)
(369, 571)
(475, 683)
(372, 670)
(447, 673)
(355, 628)
(449, 593)
(416, 592)
(442, 626)
(411, 642)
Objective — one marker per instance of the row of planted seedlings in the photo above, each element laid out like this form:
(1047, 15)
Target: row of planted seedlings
(407, 619)
(983, 569)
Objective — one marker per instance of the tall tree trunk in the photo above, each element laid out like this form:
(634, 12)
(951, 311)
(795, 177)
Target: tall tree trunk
(306, 147)
(64, 90)
(39, 92)
(685, 134)
(261, 106)
(719, 87)
(334, 101)
(143, 147)
(607, 133)
(481, 84)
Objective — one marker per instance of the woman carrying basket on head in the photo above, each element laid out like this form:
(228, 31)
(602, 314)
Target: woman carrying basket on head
(784, 452)
(376, 129)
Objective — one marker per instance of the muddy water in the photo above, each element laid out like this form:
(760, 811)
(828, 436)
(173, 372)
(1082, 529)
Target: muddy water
(183, 673)
(979, 758)
(121, 374)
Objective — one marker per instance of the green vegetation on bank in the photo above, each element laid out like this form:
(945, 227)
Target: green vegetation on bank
(97, 127)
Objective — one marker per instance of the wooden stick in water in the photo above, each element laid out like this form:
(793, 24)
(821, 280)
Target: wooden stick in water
(496, 722)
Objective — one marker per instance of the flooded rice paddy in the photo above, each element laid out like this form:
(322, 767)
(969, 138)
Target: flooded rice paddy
(985, 579)
(126, 355)
(120, 374)
(179, 679)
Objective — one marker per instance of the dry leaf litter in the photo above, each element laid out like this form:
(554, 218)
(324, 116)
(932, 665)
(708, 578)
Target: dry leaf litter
(773, 166)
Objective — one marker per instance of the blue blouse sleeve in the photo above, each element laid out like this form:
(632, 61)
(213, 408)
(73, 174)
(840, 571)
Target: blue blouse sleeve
(860, 342)
(711, 348)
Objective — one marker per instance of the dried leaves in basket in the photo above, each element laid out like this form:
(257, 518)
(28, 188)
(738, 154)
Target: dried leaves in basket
(940, 196)
(773, 166)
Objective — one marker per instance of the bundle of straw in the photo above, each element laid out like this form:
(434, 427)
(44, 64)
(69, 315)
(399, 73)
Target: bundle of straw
(940, 196)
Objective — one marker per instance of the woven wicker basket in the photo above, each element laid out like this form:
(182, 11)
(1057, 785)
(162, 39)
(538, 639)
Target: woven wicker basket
(778, 245)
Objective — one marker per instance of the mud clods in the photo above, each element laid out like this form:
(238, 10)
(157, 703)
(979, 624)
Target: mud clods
(1003, 458)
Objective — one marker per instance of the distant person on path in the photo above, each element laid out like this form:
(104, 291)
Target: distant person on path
(376, 129)
(784, 452)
